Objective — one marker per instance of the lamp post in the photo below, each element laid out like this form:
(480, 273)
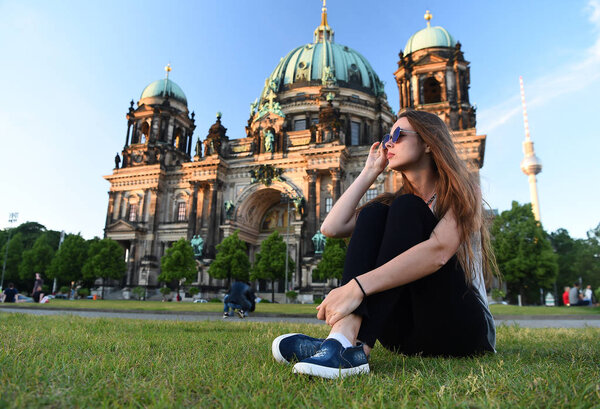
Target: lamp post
(12, 218)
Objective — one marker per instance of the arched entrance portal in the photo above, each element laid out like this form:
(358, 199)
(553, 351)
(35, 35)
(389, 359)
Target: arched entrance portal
(261, 210)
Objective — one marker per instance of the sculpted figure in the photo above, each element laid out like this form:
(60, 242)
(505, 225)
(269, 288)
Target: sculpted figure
(319, 242)
(229, 208)
(198, 148)
(117, 161)
(269, 141)
(197, 244)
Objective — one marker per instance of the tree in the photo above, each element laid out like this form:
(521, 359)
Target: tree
(231, 260)
(332, 263)
(178, 263)
(270, 261)
(13, 259)
(578, 259)
(523, 252)
(30, 231)
(106, 260)
(67, 264)
(38, 258)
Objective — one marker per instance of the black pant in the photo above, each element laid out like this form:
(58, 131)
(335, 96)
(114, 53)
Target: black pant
(435, 315)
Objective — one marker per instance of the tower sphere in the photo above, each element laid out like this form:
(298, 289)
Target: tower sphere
(531, 165)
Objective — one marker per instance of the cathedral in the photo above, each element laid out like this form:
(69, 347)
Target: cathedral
(307, 138)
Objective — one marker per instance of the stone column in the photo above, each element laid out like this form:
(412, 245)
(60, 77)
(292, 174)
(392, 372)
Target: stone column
(311, 208)
(128, 129)
(109, 211)
(200, 199)
(213, 222)
(117, 206)
(131, 262)
(335, 180)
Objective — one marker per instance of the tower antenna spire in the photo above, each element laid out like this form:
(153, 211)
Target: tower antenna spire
(530, 165)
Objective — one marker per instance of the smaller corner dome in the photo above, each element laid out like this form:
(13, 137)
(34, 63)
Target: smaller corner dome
(163, 88)
(429, 37)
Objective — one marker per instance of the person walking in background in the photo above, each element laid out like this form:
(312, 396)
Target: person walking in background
(10, 294)
(39, 282)
(240, 297)
(565, 296)
(417, 263)
(587, 294)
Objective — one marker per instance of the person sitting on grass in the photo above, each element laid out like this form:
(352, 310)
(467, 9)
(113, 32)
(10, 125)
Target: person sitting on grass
(240, 298)
(39, 297)
(417, 263)
(10, 294)
(575, 296)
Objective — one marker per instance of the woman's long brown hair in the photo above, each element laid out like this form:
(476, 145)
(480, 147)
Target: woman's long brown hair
(457, 190)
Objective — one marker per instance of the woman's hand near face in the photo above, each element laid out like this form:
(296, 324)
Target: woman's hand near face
(377, 159)
(339, 303)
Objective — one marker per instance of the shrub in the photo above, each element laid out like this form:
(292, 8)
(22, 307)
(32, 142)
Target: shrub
(264, 301)
(498, 294)
(597, 294)
(292, 295)
(138, 292)
(165, 290)
(215, 299)
(83, 292)
(193, 291)
(64, 289)
(318, 300)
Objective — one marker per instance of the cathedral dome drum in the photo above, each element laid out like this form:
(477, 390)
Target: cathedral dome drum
(309, 64)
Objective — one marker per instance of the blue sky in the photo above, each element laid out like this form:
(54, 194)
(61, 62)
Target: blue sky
(70, 69)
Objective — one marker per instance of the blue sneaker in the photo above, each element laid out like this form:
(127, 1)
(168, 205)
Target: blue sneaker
(294, 347)
(332, 361)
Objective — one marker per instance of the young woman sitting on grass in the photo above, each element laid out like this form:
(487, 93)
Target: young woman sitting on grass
(417, 263)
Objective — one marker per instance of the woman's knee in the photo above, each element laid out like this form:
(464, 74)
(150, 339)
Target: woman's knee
(373, 211)
(409, 203)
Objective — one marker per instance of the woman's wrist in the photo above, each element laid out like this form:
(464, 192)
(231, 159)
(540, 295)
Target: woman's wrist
(369, 174)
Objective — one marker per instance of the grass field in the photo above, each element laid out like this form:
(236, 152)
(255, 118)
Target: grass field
(66, 361)
(292, 309)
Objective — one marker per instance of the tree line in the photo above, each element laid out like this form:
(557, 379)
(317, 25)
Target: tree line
(529, 258)
(34, 249)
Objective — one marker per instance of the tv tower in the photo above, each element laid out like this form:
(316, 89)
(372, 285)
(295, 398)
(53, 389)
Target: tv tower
(530, 165)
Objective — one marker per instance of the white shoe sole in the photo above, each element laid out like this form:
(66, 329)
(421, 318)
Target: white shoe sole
(275, 348)
(329, 373)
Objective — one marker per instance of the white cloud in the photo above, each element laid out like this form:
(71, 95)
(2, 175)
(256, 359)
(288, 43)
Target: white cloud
(562, 80)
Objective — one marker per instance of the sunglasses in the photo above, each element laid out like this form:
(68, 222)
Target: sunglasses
(395, 135)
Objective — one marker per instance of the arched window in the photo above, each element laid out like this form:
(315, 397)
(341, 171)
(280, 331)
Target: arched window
(145, 132)
(432, 92)
(178, 140)
(181, 212)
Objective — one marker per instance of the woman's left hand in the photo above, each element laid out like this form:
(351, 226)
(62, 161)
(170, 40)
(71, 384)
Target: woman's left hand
(340, 302)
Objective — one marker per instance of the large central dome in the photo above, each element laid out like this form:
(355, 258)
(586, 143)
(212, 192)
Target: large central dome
(311, 63)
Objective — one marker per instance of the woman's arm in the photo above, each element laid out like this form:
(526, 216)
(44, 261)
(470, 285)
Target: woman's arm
(417, 262)
(341, 219)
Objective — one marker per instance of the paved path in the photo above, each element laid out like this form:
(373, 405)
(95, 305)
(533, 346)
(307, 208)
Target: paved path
(526, 321)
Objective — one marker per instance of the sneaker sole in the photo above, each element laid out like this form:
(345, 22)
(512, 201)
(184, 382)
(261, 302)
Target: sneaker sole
(329, 373)
(275, 348)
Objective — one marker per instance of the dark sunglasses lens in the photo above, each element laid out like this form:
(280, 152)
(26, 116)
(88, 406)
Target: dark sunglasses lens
(386, 138)
(396, 135)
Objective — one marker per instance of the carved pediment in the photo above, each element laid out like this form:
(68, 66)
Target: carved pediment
(430, 59)
(121, 226)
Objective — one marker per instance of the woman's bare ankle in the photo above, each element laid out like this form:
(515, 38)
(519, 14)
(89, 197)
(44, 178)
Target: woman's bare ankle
(348, 326)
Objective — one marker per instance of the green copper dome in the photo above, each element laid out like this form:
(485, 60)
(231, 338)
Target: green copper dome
(162, 88)
(306, 63)
(427, 38)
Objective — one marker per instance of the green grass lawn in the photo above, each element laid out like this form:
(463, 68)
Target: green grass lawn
(66, 361)
(292, 309)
